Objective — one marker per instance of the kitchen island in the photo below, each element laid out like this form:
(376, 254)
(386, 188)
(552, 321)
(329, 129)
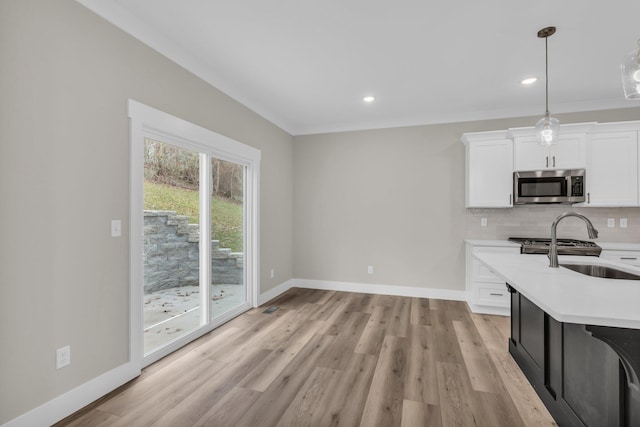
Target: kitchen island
(576, 337)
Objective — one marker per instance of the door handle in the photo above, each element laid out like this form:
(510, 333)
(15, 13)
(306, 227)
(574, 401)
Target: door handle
(588, 198)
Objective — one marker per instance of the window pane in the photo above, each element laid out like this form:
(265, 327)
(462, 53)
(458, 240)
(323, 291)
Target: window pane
(227, 246)
(171, 243)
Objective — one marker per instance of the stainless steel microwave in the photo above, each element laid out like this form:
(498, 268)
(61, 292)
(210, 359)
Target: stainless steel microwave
(549, 186)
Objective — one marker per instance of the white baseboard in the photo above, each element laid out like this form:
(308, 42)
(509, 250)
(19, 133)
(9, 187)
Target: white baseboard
(76, 399)
(368, 288)
(274, 292)
(485, 309)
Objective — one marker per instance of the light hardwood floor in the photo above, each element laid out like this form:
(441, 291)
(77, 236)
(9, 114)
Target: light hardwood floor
(334, 359)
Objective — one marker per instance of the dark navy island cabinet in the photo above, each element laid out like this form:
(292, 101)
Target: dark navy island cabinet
(586, 375)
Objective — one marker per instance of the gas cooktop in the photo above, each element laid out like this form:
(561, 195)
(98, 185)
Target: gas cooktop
(531, 245)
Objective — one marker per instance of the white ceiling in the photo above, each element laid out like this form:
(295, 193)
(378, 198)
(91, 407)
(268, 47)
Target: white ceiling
(306, 64)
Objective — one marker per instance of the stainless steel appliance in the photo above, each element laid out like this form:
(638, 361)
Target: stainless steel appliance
(530, 245)
(549, 186)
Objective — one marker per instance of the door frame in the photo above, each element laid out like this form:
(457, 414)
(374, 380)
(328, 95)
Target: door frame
(147, 121)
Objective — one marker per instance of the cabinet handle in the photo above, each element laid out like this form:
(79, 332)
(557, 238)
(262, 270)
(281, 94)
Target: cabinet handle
(547, 162)
(510, 204)
(629, 258)
(554, 161)
(588, 198)
(496, 294)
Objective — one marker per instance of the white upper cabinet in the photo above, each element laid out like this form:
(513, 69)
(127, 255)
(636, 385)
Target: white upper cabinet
(568, 153)
(612, 165)
(609, 153)
(489, 169)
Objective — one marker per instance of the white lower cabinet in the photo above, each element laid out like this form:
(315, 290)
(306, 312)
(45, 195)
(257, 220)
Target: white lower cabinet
(486, 292)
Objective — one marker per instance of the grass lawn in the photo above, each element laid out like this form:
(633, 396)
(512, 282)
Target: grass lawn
(227, 215)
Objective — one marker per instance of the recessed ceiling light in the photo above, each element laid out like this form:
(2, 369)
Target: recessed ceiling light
(369, 98)
(529, 80)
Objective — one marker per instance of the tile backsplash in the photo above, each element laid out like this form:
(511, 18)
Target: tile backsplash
(535, 221)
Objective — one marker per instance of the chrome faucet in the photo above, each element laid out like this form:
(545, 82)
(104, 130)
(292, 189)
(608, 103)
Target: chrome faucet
(553, 250)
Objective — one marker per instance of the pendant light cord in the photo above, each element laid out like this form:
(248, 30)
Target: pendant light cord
(546, 74)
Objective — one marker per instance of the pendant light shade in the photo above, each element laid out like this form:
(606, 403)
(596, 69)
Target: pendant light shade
(631, 74)
(547, 128)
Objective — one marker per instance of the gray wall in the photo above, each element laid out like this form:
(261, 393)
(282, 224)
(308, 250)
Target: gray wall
(65, 77)
(394, 199)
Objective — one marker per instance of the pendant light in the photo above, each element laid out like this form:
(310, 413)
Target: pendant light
(547, 128)
(631, 74)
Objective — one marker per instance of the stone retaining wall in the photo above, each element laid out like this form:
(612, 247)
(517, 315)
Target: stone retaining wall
(171, 254)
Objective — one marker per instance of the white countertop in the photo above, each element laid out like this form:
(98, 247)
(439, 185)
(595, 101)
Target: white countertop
(492, 243)
(569, 296)
(619, 246)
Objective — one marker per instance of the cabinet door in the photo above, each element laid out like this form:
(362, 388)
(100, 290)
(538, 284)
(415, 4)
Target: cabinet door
(490, 174)
(569, 152)
(612, 169)
(529, 155)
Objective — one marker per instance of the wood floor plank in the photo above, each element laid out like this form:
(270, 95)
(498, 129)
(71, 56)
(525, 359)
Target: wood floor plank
(275, 400)
(194, 406)
(268, 369)
(384, 402)
(476, 358)
(307, 409)
(332, 397)
(455, 400)
(400, 317)
(94, 418)
(420, 311)
(493, 331)
(344, 345)
(228, 410)
(421, 380)
(145, 411)
(419, 414)
(146, 389)
(372, 337)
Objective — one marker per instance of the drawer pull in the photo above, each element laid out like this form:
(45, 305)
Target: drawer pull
(629, 257)
(496, 294)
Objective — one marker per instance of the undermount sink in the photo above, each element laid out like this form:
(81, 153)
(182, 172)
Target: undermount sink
(602, 271)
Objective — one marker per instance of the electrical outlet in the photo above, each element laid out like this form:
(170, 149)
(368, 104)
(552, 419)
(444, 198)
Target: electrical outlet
(116, 228)
(63, 357)
(483, 222)
(611, 222)
(623, 222)
(370, 269)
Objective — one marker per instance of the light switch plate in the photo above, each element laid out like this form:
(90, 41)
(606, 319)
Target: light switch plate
(116, 228)
(611, 222)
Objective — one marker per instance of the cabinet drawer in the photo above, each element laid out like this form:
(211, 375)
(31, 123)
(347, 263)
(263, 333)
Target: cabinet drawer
(627, 257)
(496, 296)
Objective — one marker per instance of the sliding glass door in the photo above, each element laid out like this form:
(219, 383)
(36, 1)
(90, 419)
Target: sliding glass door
(195, 266)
